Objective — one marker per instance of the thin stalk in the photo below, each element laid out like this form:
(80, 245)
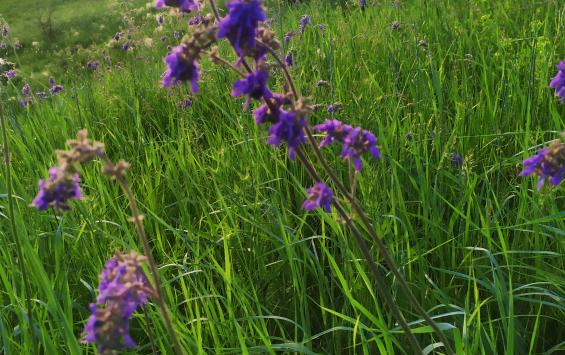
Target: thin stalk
(364, 219)
(10, 192)
(149, 331)
(381, 285)
(137, 220)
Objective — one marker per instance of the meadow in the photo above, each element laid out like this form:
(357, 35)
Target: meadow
(457, 93)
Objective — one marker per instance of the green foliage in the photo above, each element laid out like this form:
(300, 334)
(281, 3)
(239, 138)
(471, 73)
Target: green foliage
(247, 270)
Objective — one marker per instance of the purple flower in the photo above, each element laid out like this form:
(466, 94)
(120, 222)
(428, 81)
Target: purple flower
(456, 159)
(290, 129)
(270, 113)
(56, 89)
(408, 136)
(304, 21)
(321, 83)
(93, 64)
(254, 86)
(355, 141)
(26, 91)
(322, 28)
(123, 287)
(163, 38)
(126, 46)
(184, 104)
(394, 25)
(118, 36)
(3, 45)
(333, 108)
(5, 31)
(183, 5)
(240, 24)
(57, 190)
(17, 45)
(41, 94)
(363, 3)
(319, 195)
(288, 60)
(335, 131)
(10, 74)
(51, 81)
(288, 36)
(558, 83)
(160, 19)
(195, 20)
(548, 164)
(180, 67)
(176, 34)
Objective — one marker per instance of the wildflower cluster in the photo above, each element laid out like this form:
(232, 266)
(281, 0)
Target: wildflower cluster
(244, 27)
(62, 184)
(123, 287)
(355, 141)
(548, 164)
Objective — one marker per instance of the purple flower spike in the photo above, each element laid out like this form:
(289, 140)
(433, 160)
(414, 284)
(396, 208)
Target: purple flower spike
(456, 159)
(304, 21)
(57, 190)
(160, 19)
(319, 195)
(123, 287)
(548, 164)
(558, 83)
(176, 34)
(254, 85)
(5, 31)
(363, 3)
(56, 89)
(26, 90)
(126, 46)
(180, 68)
(184, 104)
(183, 5)
(288, 128)
(240, 24)
(288, 60)
(93, 64)
(10, 74)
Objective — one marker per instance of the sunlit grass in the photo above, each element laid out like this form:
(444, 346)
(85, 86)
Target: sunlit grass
(247, 269)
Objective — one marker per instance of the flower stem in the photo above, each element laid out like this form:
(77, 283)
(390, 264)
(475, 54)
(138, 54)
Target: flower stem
(381, 285)
(137, 220)
(364, 219)
(21, 261)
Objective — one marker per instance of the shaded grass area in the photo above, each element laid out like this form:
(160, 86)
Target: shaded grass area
(247, 269)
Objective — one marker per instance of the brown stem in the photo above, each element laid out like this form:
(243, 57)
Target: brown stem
(137, 220)
(283, 67)
(380, 282)
(150, 331)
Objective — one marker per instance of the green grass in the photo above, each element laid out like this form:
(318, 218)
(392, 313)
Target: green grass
(246, 269)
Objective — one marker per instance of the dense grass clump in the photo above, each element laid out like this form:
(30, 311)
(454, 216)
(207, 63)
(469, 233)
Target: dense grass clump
(458, 96)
